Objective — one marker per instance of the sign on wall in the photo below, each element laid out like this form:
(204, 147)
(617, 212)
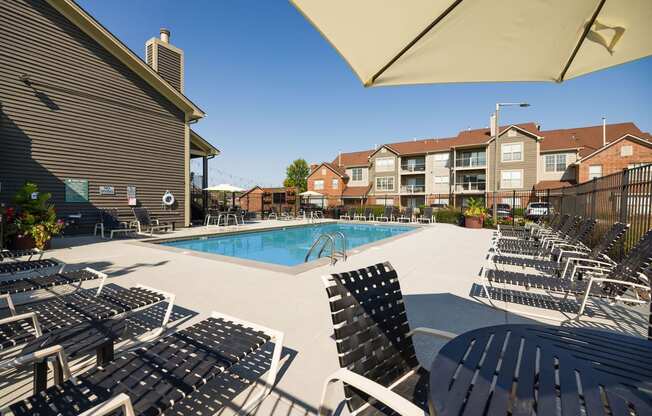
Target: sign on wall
(76, 190)
(107, 190)
(131, 195)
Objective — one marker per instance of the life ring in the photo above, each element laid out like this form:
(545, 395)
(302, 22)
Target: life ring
(168, 198)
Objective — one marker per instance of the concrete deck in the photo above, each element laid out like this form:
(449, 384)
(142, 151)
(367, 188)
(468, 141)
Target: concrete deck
(437, 268)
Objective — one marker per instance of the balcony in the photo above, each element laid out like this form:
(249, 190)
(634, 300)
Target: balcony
(413, 189)
(470, 187)
(471, 163)
(413, 167)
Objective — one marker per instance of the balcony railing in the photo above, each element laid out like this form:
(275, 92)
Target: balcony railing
(471, 162)
(470, 186)
(413, 189)
(418, 167)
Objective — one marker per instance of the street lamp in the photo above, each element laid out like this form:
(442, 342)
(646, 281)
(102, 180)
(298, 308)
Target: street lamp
(496, 131)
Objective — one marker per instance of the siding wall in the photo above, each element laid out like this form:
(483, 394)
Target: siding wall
(567, 175)
(86, 116)
(433, 170)
(169, 66)
(384, 153)
(365, 177)
(528, 166)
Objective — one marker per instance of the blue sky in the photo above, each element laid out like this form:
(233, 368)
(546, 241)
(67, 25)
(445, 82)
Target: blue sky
(274, 90)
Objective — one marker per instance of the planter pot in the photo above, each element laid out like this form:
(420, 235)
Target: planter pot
(25, 242)
(473, 222)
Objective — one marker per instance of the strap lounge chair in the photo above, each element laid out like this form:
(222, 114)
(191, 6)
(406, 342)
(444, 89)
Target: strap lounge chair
(369, 214)
(510, 231)
(17, 255)
(286, 215)
(105, 302)
(13, 267)
(387, 214)
(427, 215)
(109, 223)
(348, 214)
(379, 367)
(567, 257)
(532, 247)
(407, 215)
(146, 222)
(621, 282)
(155, 377)
(28, 284)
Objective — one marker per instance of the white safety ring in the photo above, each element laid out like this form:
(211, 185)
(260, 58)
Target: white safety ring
(168, 198)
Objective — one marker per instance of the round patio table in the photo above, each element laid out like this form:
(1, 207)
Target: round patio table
(542, 370)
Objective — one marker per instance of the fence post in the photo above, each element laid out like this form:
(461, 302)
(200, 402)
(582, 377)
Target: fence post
(593, 195)
(513, 207)
(624, 196)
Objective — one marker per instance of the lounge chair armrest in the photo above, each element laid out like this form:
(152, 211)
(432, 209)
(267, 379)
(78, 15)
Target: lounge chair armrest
(22, 317)
(54, 350)
(621, 282)
(399, 404)
(121, 401)
(432, 332)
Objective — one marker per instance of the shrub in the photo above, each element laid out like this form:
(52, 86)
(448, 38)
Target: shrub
(449, 215)
(36, 216)
(475, 208)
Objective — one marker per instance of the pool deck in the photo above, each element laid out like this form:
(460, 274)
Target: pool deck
(437, 266)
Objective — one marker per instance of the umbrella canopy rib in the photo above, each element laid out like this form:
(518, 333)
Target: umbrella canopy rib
(413, 42)
(589, 24)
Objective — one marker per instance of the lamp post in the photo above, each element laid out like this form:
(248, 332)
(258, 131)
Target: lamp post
(496, 132)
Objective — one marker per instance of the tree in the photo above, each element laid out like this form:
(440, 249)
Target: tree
(296, 175)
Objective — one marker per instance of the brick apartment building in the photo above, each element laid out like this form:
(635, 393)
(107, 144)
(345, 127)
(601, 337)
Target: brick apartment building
(450, 170)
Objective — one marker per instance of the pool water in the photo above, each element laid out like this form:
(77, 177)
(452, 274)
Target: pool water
(287, 246)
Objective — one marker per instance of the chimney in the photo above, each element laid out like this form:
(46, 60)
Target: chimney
(166, 59)
(339, 158)
(604, 131)
(313, 167)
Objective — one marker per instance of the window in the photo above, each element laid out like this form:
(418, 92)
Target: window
(385, 164)
(385, 183)
(319, 184)
(626, 150)
(440, 201)
(442, 179)
(595, 171)
(334, 184)
(356, 174)
(555, 163)
(511, 179)
(512, 152)
(385, 201)
(278, 198)
(441, 160)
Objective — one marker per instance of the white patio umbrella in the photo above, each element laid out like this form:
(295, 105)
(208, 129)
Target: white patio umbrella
(312, 194)
(225, 187)
(391, 42)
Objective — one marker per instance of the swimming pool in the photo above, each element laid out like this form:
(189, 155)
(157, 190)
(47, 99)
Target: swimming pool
(286, 246)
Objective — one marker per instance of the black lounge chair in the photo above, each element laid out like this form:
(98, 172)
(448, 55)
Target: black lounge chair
(153, 378)
(604, 281)
(533, 247)
(379, 367)
(350, 214)
(427, 216)
(105, 302)
(567, 257)
(525, 232)
(14, 267)
(368, 214)
(388, 214)
(109, 223)
(407, 215)
(18, 254)
(145, 222)
(13, 286)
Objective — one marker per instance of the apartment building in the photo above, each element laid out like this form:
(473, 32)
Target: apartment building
(472, 164)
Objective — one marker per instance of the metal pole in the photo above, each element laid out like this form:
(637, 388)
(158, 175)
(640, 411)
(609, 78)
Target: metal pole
(513, 206)
(497, 127)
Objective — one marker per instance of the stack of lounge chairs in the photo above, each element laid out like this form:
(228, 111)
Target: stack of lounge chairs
(557, 267)
(19, 261)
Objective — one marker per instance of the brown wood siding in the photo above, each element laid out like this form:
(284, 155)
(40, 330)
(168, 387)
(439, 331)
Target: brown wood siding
(85, 116)
(169, 66)
(150, 58)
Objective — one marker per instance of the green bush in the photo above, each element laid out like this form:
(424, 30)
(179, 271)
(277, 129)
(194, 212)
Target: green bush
(448, 215)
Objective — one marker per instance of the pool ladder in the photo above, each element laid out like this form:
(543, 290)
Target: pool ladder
(328, 241)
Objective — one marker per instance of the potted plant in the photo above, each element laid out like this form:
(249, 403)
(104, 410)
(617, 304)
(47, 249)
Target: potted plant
(474, 213)
(36, 220)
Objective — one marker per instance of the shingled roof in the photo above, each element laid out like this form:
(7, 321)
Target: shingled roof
(350, 159)
(587, 139)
